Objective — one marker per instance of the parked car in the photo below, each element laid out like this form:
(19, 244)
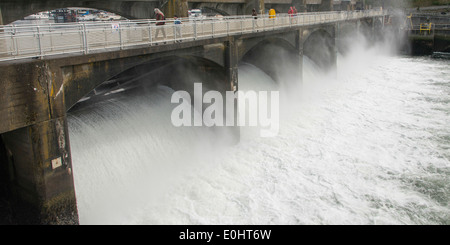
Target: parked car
(195, 14)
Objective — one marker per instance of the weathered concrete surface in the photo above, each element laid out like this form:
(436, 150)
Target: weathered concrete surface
(326, 5)
(28, 94)
(43, 183)
(1, 17)
(36, 137)
(317, 5)
(427, 44)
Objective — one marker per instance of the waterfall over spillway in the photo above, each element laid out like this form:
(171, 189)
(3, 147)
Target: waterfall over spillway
(368, 147)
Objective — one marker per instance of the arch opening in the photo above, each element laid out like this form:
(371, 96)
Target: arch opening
(69, 14)
(320, 48)
(13, 10)
(127, 127)
(277, 58)
(174, 72)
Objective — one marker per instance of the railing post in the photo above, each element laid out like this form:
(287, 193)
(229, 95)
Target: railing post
(253, 24)
(273, 23)
(264, 23)
(84, 35)
(120, 36)
(195, 30)
(14, 40)
(150, 32)
(41, 52)
(174, 33)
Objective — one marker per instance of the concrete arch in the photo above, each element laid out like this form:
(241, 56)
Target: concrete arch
(13, 10)
(347, 36)
(217, 11)
(326, 30)
(378, 24)
(319, 46)
(274, 56)
(287, 40)
(174, 71)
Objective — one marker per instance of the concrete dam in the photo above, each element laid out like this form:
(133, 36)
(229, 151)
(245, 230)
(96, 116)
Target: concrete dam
(47, 69)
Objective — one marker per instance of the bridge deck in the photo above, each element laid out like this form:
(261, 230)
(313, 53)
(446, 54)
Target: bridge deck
(30, 41)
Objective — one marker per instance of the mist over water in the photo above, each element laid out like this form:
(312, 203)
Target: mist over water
(368, 147)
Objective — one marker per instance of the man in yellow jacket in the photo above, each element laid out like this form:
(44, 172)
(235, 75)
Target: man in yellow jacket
(272, 14)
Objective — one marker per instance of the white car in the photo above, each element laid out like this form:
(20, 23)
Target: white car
(195, 14)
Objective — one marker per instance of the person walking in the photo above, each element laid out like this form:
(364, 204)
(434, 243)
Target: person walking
(159, 23)
(255, 17)
(254, 14)
(295, 15)
(291, 12)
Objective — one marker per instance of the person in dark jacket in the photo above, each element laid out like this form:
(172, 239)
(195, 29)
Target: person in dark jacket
(160, 23)
(255, 16)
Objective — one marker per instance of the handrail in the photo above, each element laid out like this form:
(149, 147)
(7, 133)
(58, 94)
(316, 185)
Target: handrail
(425, 27)
(28, 41)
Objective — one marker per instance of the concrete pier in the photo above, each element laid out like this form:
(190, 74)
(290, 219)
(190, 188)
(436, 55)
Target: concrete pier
(35, 135)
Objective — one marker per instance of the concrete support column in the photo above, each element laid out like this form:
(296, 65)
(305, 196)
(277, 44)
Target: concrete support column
(43, 182)
(3, 46)
(231, 63)
(177, 7)
(373, 23)
(335, 49)
(326, 5)
(261, 7)
(258, 5)
(300, 5)
(38, 144)
(231, 76)
(1, 17)
(299, 47)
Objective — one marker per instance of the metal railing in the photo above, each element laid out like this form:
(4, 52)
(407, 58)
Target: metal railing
(31, 41)
(430, 29)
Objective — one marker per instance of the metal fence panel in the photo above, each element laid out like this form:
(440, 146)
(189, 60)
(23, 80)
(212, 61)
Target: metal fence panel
(25, 41)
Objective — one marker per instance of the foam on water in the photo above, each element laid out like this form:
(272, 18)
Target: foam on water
(368, 147)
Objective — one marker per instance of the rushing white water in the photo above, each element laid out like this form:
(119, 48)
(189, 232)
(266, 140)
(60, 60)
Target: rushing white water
(369, 147)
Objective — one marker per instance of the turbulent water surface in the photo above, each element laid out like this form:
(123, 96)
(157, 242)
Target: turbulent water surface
(368, 147)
